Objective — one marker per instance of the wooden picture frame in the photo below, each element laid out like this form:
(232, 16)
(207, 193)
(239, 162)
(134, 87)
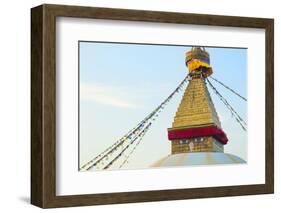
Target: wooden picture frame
(43, 105)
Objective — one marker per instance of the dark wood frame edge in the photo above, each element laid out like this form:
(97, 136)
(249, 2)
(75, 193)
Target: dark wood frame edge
(43, 105)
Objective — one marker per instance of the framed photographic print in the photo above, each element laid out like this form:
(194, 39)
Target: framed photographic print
(135, 106)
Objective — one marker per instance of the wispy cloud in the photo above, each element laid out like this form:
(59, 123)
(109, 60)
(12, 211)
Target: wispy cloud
(107, 95)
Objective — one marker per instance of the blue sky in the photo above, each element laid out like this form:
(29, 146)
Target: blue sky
(121, 83)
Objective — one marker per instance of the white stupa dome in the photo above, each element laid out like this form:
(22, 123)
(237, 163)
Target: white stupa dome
(198, 158)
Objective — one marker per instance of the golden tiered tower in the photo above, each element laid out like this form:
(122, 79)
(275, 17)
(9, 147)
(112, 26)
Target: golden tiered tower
(196, 126)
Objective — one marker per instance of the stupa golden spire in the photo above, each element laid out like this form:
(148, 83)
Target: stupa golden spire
(196, 126)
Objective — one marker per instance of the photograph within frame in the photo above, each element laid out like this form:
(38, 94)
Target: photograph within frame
(117, 81)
